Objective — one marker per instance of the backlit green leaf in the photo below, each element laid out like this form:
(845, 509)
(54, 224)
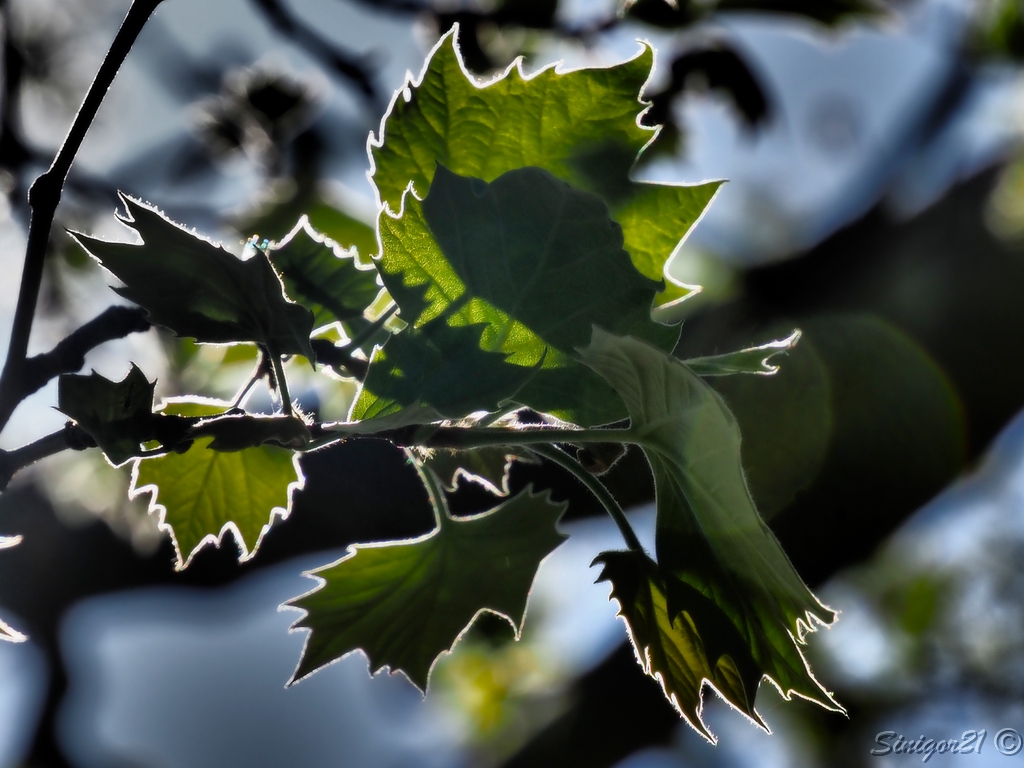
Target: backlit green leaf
(331, 282)
(117, 415)
(543, 253)
(488, 467)
(198, 289)
(681, 638)
(406, 603)
(533, 260)
(441, 367)
(202, 493)
(581, 126)
(751, 360)
(709, 534)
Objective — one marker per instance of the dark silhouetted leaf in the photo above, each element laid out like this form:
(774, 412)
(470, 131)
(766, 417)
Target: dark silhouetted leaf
(117, 415)
(544, 253)
(439, 367)
(406, 603)
(198, 289)
(329, 281)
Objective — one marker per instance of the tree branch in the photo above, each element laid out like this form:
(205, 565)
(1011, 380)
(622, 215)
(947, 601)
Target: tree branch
(69, 355)
(12, 462)
(45, 193)
(328, 353)
(348, 66)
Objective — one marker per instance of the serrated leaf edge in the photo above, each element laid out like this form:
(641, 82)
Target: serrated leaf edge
(440, 513)
(376, 141)
(155, 507)
(646, 665)
(362, 262)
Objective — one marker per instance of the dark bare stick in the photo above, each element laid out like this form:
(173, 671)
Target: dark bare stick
(45, 193)
(12, 462)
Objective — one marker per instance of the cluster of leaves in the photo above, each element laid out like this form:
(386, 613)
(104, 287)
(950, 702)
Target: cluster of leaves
(525, 264)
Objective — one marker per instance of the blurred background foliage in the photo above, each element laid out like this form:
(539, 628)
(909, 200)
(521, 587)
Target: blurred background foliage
(876, 202)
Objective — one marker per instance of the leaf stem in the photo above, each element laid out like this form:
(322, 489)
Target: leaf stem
(258, 373)
(596, 487)
(484, 437)
(282, 384)
(367, 333)
(45, 193)
(438, 500)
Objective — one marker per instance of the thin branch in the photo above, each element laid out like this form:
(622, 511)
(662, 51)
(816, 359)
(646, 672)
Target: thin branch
(12, 462)
(45, 193)
(342, 62)
(596, 487)
(463, 438)
(281, 383)
(368, 332)
(261, 370)
(69, 355)
(327, 353)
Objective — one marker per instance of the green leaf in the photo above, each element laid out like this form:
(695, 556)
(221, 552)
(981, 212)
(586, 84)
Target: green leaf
(438, 366)
(488, 467)
(331, 282)
(277, 216)
(544, 253)
(406, 603)
(202, 493)
(709, 533)
(750, 360)
(198, 289)
(117, 415)
(681, 638)
(581, 126)
(534, 260)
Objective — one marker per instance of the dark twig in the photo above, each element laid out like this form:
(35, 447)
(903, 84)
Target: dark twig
(328, 353)
(12, 462)
(45, 193)
(69, 355)
(345, 64)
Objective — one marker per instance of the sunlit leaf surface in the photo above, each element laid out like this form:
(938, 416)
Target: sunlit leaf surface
(202, 493)
(681, 638)
(581, 126)
(709, 533)
(405, 603)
